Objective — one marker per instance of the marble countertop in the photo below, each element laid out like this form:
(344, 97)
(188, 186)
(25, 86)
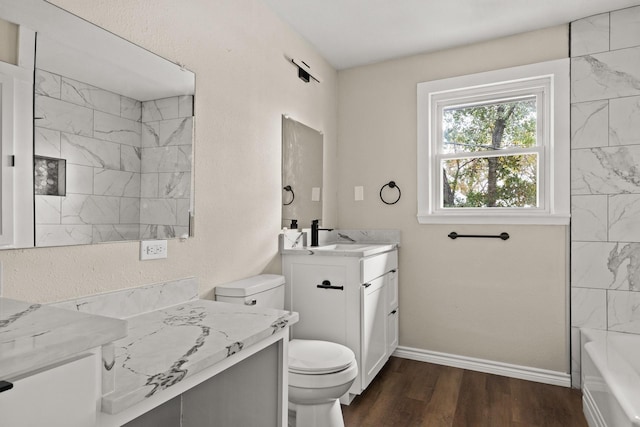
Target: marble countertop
(33, 336)
(342, 249)
(165, 346)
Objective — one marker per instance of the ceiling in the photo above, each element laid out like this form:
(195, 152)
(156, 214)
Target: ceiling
(349, 33)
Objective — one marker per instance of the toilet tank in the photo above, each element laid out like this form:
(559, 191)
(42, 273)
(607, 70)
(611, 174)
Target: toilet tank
(265, 290)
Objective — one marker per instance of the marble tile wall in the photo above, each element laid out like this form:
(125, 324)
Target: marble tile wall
(167, 135)
(605, 175)
(128, 163)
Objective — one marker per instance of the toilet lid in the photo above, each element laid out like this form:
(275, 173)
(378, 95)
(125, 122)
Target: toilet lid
(318, 357)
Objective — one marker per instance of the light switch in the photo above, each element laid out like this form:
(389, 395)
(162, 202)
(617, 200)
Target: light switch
(358, 193)
(315, 194)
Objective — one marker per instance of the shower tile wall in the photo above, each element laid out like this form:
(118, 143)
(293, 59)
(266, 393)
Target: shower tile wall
(103, 139)
(605, 175)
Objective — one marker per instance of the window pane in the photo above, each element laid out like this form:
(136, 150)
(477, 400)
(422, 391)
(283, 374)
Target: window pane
(490, 127)
(503, 181)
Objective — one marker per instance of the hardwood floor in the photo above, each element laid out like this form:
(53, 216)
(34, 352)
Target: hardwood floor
(408, 393)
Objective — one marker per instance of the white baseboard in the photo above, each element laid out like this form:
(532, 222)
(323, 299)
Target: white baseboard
(487, 366)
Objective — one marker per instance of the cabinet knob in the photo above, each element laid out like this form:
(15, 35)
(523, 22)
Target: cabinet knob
(5, 385)
(251, 302)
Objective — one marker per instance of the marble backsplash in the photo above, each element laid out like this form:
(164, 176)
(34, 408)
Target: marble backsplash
(128, 163)
(605, 183)
(295, 239)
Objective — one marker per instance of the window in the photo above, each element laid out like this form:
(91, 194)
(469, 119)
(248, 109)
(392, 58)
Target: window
(494, 147)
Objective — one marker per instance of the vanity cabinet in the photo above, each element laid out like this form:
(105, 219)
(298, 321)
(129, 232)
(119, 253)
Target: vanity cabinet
(348, 300)
(63, 395)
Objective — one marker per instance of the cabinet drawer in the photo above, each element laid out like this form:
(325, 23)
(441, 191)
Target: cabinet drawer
(376, 266)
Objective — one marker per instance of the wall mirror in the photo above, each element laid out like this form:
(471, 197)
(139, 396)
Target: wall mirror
(302, 151)
(112, 133)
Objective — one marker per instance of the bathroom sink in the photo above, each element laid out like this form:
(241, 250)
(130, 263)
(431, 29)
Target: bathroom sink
(351, 249)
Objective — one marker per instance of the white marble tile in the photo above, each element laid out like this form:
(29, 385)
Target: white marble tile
(589, 308)
(185, 106)
(176, 132)
(175, 185)
(590, 35)
(47, 209)
(63, 235)
(625, 28)
(624, 211)
(182, 212)
(149, 185)
(590, 264)
(82, 209)
(130, 109)
(48, 84)
(129, 302)
(107, 182)
(108, 371)
(576, 347)
(154, 231)
(130, 158)
(184, 163)
(364, 236)
(605, 75)
(117, 129)
(624, 124)
(116, 232)
(624, 311)
(610, 170)
(90, 152)
(130, 210)
(90, 96)
(589, 218)
(46, 142)
(151, 134)
(161, 109)
(624, 263)
(158, 211)
(590, 124)
(161, 159)
(63, 116)
(79, 179)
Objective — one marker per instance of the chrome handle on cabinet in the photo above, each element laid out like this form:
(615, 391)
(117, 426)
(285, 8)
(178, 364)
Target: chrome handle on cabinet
(327, 285)
(5, 385)
(251, 302)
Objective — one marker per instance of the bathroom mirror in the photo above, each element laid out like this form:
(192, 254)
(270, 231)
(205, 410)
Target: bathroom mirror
(113, 133)
(302, 151)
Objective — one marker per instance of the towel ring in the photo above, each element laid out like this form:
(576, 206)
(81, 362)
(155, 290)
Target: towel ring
(390, 184)
(293, 195)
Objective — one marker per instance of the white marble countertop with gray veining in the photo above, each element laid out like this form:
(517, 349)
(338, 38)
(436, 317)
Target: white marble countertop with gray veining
(33, 336)
(166, 346)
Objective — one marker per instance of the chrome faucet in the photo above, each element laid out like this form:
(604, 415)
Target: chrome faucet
(314, 231)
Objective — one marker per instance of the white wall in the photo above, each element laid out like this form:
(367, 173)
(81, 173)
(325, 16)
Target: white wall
(243, 86)
(488, 299)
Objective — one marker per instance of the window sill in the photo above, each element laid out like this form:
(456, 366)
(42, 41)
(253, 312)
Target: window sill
(495, 218)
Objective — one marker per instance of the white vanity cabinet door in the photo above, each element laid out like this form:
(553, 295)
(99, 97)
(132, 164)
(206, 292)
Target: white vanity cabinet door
(374, 329)
(65, 395)
(323, 310)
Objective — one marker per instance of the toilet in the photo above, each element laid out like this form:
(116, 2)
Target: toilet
(320, 372)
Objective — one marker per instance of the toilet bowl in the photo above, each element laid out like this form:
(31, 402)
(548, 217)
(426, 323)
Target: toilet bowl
(320, 372)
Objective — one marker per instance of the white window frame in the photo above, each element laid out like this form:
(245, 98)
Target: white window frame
(549, 82)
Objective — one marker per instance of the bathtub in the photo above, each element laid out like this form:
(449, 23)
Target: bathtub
(610, 378)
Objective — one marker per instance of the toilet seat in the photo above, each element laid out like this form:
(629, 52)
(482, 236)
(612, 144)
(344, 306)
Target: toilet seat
(312, 357)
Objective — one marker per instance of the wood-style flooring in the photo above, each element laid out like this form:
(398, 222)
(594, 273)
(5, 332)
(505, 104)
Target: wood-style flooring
(408, 393)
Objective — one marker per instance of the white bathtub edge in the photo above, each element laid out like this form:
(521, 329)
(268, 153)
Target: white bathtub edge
(545, 376)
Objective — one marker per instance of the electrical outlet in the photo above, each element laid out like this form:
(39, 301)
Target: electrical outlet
(153, 249)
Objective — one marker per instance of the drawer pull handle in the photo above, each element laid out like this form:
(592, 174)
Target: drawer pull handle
(394, 311)
(251, 302)
(366, 285)
(394, 270)
(5, 385)
(327, 285)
